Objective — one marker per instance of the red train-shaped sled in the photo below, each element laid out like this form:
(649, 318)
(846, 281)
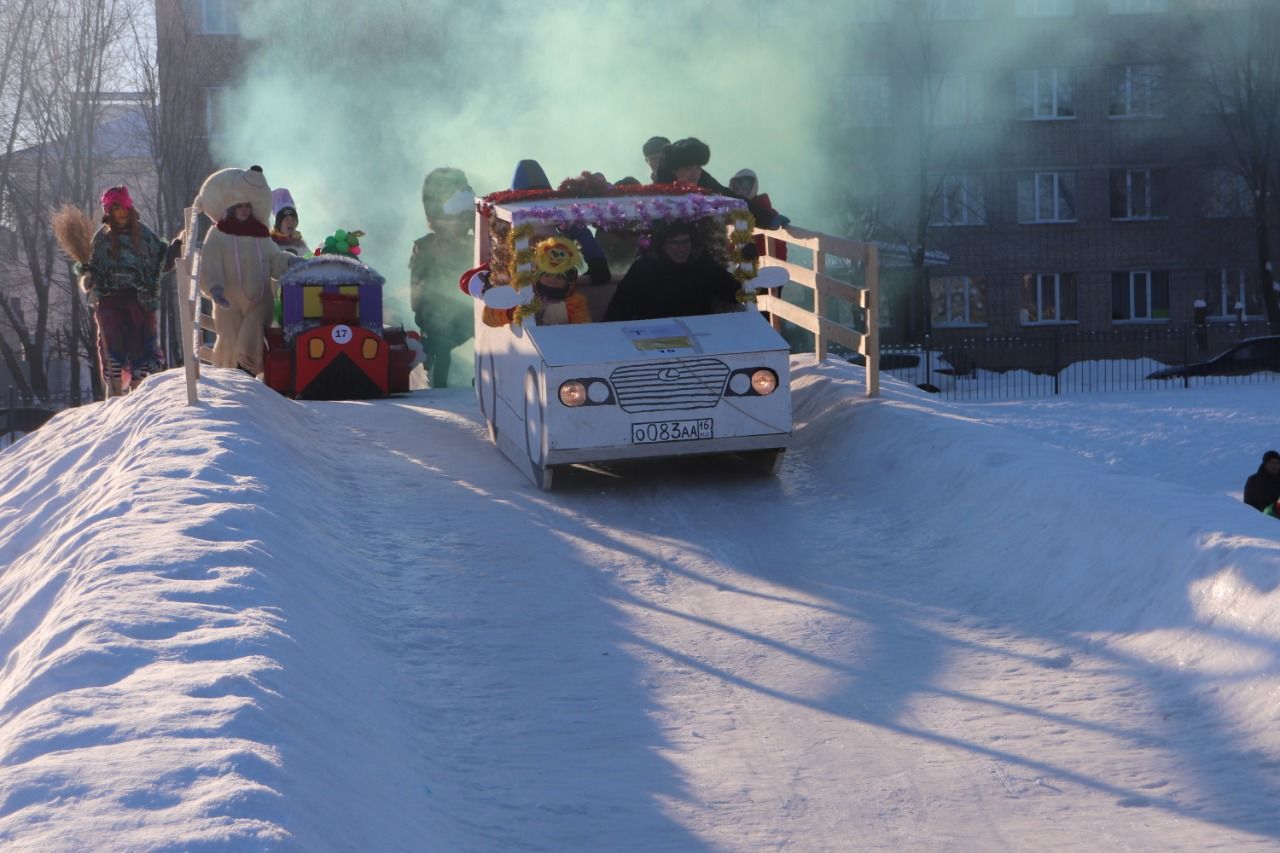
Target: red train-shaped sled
(331, 343)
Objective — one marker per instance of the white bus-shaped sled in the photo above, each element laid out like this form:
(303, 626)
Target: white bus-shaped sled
(606, 392)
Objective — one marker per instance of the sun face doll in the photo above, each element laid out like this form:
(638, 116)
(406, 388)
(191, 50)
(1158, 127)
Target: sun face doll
(556, 261)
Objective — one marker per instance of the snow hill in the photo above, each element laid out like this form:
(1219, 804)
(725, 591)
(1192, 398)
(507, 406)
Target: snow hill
(266, 624)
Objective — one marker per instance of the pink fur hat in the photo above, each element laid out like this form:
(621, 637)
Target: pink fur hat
(116, 195)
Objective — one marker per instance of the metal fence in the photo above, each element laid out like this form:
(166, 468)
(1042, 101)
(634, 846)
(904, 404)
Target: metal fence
(1063, 362)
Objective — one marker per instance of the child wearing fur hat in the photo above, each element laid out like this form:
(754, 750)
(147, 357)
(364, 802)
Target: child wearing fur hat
(683, 161)
(123, 280)
(285, 230)
(239, 264)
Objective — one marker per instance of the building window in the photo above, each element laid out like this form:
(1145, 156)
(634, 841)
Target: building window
(1139, 295)
(1048, 297)
(1045, 8)
(1227, 291)
(868, 100)
(212, 17)
(1136, 7)
(1138, 193)
(960, 200)
(957, 98)
(1227, 196)
(216, 111)
(958, 301)
(1137, 91)
(1047, 197)
(1044, 93)
(955, 10)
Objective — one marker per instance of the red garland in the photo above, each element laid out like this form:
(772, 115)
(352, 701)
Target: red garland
(589, 186)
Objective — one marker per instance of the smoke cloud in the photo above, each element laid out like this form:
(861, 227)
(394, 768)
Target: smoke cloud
(350, 105)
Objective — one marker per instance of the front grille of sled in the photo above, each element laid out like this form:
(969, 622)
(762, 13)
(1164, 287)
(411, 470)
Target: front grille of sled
(665, 385)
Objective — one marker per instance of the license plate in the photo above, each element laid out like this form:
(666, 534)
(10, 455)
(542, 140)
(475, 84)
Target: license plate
(658, 431)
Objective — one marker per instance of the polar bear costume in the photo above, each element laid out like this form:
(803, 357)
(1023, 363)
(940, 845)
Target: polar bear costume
(242, 260)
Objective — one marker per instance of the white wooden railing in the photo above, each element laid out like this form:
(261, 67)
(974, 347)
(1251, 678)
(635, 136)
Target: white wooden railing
(864, 297)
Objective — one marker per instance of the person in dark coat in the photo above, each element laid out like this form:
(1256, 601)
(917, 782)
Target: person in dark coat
(444, 315)
(1262, 489)
(674, 278)
(652, 150)
(684, 160)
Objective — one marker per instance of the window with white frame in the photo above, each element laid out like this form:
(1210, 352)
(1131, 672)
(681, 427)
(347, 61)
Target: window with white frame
(959, 300)
(1045, 93)
(1048, 297)
(1227, 195)
(216, 109)
(1137, 91)
(1138, 295)
(212, 17)
(1136, 7)
(868, 100)
(1045, 8)
(1227, 291)
(957, 98)
(960, 200)
(955, 10)
(1138, 193)
(1047, 197)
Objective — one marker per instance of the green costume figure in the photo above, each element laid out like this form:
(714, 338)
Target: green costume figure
(444, 314)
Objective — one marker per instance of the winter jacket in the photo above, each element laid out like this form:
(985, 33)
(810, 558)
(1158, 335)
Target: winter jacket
(444, 314)
(656, 287)
(244, 266)
(1262, 490)
(137, 269)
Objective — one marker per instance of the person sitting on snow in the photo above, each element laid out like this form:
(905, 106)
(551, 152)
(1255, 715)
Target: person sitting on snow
(1262, 489)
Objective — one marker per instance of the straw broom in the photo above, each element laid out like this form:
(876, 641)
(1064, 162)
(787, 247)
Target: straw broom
(74, 232)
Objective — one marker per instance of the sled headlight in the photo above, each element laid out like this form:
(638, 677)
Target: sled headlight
(573, 393)
(587, 391)
(764, 381)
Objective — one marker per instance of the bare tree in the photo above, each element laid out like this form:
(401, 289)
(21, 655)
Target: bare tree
(1241, 85)
(66, 64)
(915, 128)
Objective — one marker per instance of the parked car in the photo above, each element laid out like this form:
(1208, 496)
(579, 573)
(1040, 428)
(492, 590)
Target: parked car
(1249, 356)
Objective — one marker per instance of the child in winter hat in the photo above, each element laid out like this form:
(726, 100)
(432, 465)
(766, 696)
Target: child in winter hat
(284, 216)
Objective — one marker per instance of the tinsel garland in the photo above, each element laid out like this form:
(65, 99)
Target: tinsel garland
(740, 225)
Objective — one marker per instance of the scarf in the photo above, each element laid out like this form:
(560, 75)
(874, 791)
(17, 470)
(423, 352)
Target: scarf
(249, 228)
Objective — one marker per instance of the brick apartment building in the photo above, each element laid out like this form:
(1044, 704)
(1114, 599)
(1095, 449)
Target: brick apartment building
(1076, 175)
(199, 55)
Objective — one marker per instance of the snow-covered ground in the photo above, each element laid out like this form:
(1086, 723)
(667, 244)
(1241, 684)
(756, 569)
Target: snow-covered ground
(266, 624)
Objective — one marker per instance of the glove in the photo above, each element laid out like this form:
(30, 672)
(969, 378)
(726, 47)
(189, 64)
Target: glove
(216, 294)
(779, 221)
(749, 251)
